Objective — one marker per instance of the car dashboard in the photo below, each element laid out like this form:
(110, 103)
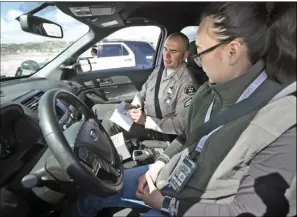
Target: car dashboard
(21, 140)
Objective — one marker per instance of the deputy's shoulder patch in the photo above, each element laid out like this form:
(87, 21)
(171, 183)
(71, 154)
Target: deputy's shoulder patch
(188, 102)
(190, 90)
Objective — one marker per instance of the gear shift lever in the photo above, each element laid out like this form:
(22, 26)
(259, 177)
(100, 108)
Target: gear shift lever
(141, 155)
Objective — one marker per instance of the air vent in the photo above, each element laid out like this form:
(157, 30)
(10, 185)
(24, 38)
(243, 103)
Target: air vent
(73, 87)
(32, 102)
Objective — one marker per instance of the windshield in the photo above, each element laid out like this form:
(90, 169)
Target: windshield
(24, 53)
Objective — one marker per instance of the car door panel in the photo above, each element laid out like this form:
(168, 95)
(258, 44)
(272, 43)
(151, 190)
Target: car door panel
(118, 87)
(121, 92)
(116, 84)
(121, 67)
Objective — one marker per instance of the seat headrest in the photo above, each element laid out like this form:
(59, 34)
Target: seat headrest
(192, 48)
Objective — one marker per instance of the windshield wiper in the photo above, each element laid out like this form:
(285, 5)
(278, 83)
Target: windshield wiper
(9, 78)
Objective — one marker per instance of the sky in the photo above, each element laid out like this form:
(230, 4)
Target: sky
(11, 31)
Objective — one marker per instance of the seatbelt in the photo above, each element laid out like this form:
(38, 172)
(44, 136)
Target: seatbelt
(157, 87)
(238, 110)
(246, 93)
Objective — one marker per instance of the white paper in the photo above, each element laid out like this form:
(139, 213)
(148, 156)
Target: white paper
(119, 142)
(121, 108)
(150, 183)
(122, 120)
(136, 101)
(122, 117)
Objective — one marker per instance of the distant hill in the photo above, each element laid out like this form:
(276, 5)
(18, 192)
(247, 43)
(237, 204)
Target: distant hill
(47, 46)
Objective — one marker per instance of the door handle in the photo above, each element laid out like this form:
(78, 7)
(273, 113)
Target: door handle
(127, 59)
(105, 81)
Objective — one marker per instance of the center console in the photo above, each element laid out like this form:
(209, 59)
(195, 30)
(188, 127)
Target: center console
(143, 153)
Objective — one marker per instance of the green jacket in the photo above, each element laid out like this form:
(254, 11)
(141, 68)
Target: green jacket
(219, 144)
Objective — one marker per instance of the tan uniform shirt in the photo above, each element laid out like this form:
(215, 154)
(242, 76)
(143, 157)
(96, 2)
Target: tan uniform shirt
(175, 95)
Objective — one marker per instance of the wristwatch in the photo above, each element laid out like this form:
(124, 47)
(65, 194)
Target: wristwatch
(165, 205)
(169, 206)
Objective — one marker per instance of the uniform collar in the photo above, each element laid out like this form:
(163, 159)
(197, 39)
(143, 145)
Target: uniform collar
(229, 92)
(175, 72)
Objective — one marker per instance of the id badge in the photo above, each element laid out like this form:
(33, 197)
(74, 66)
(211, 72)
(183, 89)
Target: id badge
(182, 174)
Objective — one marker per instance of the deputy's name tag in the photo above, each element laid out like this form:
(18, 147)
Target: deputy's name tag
(182, 174)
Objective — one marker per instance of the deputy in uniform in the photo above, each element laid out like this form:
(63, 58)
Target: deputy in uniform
(246, 167)
(175, 94)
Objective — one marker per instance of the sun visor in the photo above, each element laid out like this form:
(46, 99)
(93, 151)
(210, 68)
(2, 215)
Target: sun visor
(103, 10)
(112, 21)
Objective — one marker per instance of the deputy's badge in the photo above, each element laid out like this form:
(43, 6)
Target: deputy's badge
(188, 102)
(190, 90)
(168, 100)
(170, 89)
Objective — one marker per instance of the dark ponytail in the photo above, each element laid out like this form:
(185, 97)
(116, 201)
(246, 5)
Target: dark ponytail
(281, 54)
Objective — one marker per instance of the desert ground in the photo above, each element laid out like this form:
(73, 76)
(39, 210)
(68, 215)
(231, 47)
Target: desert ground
(10, 63)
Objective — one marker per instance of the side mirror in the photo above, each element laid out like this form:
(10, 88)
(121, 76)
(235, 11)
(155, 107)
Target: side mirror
(84, 63)
(39, 26)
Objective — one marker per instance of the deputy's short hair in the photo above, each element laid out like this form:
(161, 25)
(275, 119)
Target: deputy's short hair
(182, 36)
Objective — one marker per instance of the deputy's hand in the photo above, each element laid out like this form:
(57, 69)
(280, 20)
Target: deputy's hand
(137, 115)
(128, 106)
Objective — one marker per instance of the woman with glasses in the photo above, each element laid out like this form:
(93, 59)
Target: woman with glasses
(245, 166)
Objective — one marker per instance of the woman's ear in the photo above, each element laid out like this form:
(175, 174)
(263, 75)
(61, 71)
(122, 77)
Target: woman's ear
(234, 51)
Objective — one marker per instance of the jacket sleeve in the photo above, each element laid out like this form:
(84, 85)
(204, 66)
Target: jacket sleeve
(176, 124)
(262, 190)
(174, 148)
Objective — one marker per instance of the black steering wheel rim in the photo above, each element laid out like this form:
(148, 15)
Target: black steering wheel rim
(61, 149)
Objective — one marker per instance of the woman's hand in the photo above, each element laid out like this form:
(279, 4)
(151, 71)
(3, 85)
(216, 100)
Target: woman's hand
(151, 195)
(153, 173)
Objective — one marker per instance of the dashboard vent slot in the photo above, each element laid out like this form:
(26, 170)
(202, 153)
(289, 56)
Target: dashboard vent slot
(32, 102)
(73, 87)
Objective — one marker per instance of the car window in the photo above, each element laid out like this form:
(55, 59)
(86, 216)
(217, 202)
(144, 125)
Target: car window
(128, 47)
(143, 48)
(112, 50)
(24, 53)
(190, 32)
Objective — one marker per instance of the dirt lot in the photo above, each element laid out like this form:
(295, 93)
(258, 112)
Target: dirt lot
(10, 63)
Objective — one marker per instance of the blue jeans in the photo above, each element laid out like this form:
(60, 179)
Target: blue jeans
(89, 205)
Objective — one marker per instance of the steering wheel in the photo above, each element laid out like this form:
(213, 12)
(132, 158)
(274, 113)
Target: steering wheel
(84, 150)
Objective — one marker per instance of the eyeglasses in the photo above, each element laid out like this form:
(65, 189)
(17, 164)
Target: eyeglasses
(198, 57)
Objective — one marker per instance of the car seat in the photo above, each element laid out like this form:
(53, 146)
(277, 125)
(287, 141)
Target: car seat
(195, 71)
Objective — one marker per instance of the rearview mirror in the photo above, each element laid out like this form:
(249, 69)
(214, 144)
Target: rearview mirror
(39, 26)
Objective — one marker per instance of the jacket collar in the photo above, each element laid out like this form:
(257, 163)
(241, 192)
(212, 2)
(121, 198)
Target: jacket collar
(177, 72)
(229, 92)
(290, 89)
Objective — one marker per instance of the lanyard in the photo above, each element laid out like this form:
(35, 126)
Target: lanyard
(248, 91)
